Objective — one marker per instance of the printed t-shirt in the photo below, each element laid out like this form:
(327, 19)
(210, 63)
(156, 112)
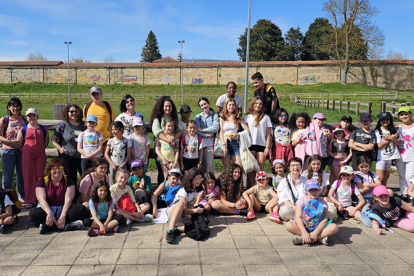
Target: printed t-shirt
(139, 144)
(325, 178)
(12, 129)
(127, 121)
(344, 196)
(90, 142)
(134, 182)
(281, 134)
(69, 138)
(395, 212)
(389, 151)
(360, 136)
(191, 147)
(118, 149)
(191, 198)
(407, 148)
(117, 193)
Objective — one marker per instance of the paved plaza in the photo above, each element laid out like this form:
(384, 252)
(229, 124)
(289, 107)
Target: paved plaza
(235, 247)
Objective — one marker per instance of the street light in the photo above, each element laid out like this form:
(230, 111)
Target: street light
(181, 42)
(68, 43)
(246, 81)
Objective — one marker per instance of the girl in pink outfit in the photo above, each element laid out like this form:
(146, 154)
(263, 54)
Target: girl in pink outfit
(34, 138)
(299, 124)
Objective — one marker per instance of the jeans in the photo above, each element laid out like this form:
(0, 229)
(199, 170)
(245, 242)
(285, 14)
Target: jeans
(12, 158)
(86, 164)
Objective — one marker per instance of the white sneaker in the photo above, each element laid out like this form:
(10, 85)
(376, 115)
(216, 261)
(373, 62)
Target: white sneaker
(147, 218)
(324, 241)
(297, 239)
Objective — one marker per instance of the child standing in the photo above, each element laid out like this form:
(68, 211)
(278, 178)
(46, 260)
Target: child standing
(278, 171)
(90, 177)
(324, 229)
(191, 151)
(366, 180)
(314, 171)
(124, 200)
(158, 199)
(118, 150)
(393, 210)
(262, 198)
(282, 148)
(341, 194)
(363, 140)
(340, 152)
(90, 143)
(139, 182)
(319, 138)
(35, 139)
(388, 143)
(140, 143)
(102, 211)
(299, 124)
(167, 153)
(209, 193)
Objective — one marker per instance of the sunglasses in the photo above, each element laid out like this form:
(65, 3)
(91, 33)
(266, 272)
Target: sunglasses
(72, 111)
(130, 101)
(57, 168)
(95, 94)
(283, 116)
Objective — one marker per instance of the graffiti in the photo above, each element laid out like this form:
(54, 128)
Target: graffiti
(95, 77)
(269, 79)
(128, 78)
(169, 79)
(197, 81)
(82, 79)
(241, 79)
(308, 80)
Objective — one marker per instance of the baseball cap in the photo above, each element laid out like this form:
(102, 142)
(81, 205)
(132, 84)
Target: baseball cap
(137, 121)
(365, 116)
(95, 89)
(175, 171)
(380, 190)
(31, 111)
(339, 128)
(312, 184)
(91, 118)
(261, 175)
(347, 118)
(347, 169)
(136, 164)
(281, 161)
(384, 116)
(185, 108)
(319, 116)
(403, 109)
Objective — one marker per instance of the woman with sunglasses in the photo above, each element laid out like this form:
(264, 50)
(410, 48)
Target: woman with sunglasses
(128, 113)
(64, 139)
(55, 193)
(281, 133)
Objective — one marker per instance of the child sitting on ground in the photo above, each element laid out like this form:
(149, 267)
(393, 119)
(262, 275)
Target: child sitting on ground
(311, 222)
(209, 193)
(8, 210)
(139, 182)
(366, 180)
(158, 198)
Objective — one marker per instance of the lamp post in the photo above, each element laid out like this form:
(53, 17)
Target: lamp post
(68, 43)
(246, 81)
(182, 97)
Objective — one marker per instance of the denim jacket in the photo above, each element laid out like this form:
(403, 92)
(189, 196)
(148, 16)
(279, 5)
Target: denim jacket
(209, 124)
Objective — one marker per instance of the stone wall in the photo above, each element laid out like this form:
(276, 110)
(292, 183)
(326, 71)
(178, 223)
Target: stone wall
(386, 74)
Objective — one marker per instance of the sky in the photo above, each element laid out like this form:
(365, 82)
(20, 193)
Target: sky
(100, 28)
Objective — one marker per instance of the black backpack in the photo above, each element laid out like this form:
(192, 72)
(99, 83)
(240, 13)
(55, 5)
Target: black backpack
(198, 230)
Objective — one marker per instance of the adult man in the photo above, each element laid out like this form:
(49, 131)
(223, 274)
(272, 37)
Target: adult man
(231, 93)
(266, 93)
(101, 109)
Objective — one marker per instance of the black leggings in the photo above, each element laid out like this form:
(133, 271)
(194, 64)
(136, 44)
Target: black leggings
(72, 167)
(75, 212)
(88, 221)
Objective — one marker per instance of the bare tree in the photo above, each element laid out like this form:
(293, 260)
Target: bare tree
(396, 56)
(36, 57)
(348, 15)
(109, 59)
(79, 60)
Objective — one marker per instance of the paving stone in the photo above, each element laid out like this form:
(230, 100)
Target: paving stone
(182, 242)
(18, 256)
(147, 229)
(361, 242)
(6, 241)
(147, 270)
(179, 270)
(139, 256)
(257, 242)
(178, 256)
(347, 231)
(214, 220)
(349, 270)
(219, 231)
(98, 256)
(266, 270)
(87, 270)
(38, 242)
(11, 270)
(46, 270)
(106, 241)
(239, 220)
(275, 230)
(260, 256)
(308, 269)
(246, 230)
(300, 256)
(378, 257)
(405, 254)
(220, 257)
(57, 257)
(68, 240)
(338, 256)
(393, 241)
(230, 270)
(34, 231)
(219, 242)
(153, 241)
(387, 270)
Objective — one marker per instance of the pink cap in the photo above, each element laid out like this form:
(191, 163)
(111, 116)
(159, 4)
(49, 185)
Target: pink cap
(319, 116)
(380, 190)
(137, 121)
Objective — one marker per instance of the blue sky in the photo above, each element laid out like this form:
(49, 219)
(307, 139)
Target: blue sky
(99, 29)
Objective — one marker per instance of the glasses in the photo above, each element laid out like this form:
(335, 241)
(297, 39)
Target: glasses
(199, 179)
(283, 116)
(95, 94)
(296, 165)
(130, 101)
(57, 168)
(72, 111)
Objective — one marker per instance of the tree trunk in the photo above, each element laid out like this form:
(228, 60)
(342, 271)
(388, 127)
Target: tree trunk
(344, 71)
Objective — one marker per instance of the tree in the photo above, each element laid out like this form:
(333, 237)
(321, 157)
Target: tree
(36, 57)
(347, 15)
(150, 51)
(266, 42)
(79, 60)
(319, 40)
(109, 59)
(396, 56)
(294, 44)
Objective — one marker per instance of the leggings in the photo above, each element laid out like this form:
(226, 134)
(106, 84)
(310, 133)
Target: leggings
(406, 223)
(406, 172)
(75, 212)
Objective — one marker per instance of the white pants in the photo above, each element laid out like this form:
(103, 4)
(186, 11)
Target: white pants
(208, 160)
(286, 212)
(406, 172)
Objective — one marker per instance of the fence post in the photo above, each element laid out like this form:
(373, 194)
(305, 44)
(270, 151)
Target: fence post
(369, 107)
(327, 104)
(340, 106)
(357, 108)
(348, 106)
(333, 105)
(319, 103)
(323, 103)
(383, 106)
(393, 110)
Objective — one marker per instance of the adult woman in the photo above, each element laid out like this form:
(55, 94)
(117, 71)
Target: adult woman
(260, 127)
(164, 108)
(55, 193)
(11, 154)
(231, 188)
(128, 113)
(229, 125)
(208, 125)
(64, 140)
(405, 165)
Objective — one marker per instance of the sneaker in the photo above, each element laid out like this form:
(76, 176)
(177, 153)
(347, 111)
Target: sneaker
(275, 217)
(127, 222)
(147, 218)
(29, 206)
(344, 215)
(76, 225)
(297, 239)
(42, 229)
(324, 241)
(171, 236)
(250, 214)
(22, 200)
(115, 229)
(93, 232)
(407, 198)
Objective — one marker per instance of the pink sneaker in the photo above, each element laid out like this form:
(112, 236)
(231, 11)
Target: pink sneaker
(275, 217)
(250, 214)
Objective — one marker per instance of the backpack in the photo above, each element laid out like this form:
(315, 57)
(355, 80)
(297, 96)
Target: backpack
(312, 214)
(6, 123)
(370, 175)
(97, 203)
(107, 105)
(169, 197)
(24, 129)
(198, 229)
(367, 216)
(11, 193)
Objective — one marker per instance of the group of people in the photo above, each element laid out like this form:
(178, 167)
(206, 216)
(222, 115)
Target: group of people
(111, 155)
